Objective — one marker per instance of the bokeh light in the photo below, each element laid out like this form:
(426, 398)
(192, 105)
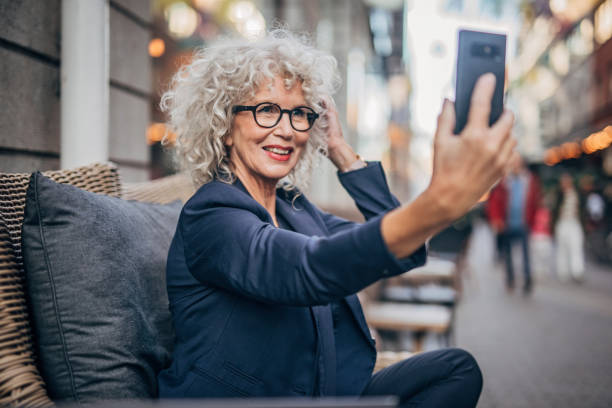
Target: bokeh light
(157, 47)
(603, 22)
(247, 19)
(207, 6)
(182, 20)
(156, 132)
(597, 141)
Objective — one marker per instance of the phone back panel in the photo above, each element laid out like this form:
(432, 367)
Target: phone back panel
(479, 53)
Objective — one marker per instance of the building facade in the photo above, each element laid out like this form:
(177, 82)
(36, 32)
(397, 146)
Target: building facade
(30, 51)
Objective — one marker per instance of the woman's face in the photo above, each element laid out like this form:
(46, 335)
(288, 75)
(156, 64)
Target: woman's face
(267, 154)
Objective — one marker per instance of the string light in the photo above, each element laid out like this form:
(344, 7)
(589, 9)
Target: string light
(156, 133)
(571, 150)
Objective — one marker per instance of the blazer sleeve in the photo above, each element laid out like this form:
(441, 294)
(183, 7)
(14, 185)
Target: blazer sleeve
(233, 248)
(369, 189)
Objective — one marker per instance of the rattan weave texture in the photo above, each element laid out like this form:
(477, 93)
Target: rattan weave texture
(162, 191)
(20, 382)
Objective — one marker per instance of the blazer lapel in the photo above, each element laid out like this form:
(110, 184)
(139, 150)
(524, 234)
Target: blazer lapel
(302, 221)
(355, 306)
(299, 218)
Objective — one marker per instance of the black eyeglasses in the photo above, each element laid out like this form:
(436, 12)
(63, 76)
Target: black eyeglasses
(267, 115)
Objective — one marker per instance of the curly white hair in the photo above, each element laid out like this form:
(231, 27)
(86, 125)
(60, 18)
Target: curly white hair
(202, 93)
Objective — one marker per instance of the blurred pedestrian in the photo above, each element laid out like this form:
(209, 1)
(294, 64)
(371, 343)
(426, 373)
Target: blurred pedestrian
(541, 241)
(511, 210)
(569, 234)
(594, 219)
(595, 206)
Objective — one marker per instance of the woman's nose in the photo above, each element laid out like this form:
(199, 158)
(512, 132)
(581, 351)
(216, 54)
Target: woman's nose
(284, 126)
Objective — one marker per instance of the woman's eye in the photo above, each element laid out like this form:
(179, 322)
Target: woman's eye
(266, 109)
(300, 113)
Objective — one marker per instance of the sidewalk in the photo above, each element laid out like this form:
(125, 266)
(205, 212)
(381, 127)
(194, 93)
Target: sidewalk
(550, 349)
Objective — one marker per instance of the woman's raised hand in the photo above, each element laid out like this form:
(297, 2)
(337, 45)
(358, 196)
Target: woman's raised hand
(338, 150)
(335, 138)
(466, 166)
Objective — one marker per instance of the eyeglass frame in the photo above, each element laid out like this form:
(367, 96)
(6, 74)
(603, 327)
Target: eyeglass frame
(253, 109)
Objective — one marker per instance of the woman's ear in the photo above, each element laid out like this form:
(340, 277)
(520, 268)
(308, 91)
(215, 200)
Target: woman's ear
(228, 140)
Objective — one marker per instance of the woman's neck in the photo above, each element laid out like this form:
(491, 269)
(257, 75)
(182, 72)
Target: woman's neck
(262, 191)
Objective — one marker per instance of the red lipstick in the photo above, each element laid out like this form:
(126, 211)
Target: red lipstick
(277, 152)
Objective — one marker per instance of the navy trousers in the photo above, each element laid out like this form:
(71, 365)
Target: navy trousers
(509, 237)
(441, 378)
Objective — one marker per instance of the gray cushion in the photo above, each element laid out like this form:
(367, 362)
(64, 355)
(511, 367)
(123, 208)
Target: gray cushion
(95, 270)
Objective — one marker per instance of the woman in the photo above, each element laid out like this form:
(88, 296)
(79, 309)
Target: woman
(568, 214)
(261, 282)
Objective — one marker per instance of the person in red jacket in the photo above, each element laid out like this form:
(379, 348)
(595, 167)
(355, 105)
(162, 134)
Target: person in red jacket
(511, 211)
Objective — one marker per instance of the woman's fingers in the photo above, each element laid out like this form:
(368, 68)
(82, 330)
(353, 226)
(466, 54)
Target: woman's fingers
(467, 165)
(480, 104)
(446, 119)
(328, 103)
(504, 124)
(507, 151)
(335, 138)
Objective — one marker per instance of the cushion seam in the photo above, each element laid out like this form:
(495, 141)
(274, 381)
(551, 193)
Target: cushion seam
(53, 291)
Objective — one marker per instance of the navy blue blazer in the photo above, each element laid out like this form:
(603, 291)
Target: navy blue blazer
(242, 292)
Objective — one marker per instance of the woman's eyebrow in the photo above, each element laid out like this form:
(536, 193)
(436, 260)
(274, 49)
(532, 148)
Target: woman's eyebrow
(262, 100)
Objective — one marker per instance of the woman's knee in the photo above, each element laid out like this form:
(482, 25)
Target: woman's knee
(464, 364)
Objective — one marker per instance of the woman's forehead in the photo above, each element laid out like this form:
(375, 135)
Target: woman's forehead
(278, 87)
(278, 81)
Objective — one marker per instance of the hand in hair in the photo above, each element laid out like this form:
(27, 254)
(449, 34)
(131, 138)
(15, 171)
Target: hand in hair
(338, 150)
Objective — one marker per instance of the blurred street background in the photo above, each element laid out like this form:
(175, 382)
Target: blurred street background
(549, 349)
(542, 334)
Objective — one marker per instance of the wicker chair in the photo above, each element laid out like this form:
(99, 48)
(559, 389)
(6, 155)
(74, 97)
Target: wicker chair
(20, 381)
(162, 191)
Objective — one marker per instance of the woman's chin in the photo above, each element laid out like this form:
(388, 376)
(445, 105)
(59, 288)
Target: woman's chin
(279, 175)
(278, 172)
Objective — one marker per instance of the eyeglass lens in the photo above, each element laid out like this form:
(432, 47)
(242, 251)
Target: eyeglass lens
(269, 114)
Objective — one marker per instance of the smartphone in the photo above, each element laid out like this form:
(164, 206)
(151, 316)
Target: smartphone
(479, 53)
